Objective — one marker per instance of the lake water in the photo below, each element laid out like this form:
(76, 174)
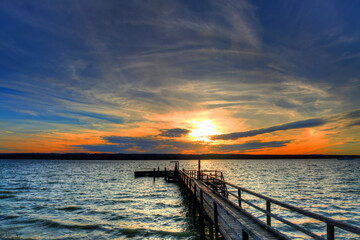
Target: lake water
(53, 199)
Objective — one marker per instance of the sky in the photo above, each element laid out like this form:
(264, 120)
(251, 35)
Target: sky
(180, 76)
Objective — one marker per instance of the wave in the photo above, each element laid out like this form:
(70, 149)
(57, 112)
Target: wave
(8, 236)
(117, 217)
(70, 225)
(167, 205)
(6, 196)
(6, 217)
(38, 207)
(23, 188)
(137, 232)
(70, 208)
(6, 192)
(116, 201)
(55, 223)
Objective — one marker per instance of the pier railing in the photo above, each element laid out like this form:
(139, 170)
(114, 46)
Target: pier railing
(233, 194)
(221, 217)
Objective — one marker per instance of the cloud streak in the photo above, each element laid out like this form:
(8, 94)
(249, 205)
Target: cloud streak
(287, 126)
(175, 132)
(154, 145)
(141, 144)
(251, 145)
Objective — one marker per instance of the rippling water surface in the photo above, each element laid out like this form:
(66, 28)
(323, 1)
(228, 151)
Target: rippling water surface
(53, 199)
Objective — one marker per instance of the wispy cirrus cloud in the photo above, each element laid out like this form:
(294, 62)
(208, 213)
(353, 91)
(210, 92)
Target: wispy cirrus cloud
(342, 120)
(287, 126)
(251, 145)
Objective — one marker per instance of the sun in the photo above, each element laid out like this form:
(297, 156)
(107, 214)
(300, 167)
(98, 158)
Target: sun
(204, 130)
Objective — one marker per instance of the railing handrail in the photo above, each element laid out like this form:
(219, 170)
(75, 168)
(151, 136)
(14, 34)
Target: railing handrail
(248, 231)
(327, 220)
(317, 216)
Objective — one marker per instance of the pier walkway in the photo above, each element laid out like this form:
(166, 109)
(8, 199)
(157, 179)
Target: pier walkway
(226, 211)
(227, 219)
(221, 204)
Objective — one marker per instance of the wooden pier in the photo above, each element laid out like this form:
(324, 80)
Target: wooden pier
(220, 206)
(154, 173)
(223, 208)
(169, 176)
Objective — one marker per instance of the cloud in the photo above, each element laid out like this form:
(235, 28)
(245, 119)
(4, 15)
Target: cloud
(252, 145)
(346, 119)
(353, 114)
(175, 132)
(141, 144)
(315, 122)
(153, 145)
(287, 126)
(188, 46)
(101, 64)
(355, 123)
(98, 116)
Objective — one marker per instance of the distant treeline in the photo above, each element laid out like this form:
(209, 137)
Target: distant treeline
(148, 156)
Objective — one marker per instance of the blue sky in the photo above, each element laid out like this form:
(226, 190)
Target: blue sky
(74, 74)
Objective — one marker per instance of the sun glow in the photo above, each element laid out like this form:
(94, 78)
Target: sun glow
(204, 130)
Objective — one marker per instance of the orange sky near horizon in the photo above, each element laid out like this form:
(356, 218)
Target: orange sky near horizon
(197, 138)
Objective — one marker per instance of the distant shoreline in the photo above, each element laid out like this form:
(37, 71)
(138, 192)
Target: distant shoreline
(153, 156)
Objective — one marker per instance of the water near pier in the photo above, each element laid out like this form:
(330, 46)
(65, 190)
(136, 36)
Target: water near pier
(51, 199)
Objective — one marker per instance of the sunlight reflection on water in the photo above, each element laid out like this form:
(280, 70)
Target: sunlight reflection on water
(102, 199)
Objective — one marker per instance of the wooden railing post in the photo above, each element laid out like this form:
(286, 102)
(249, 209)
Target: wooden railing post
(201, 216)
(188, 183)
(268, 208)
(211, 230)
(216, 221)
(189, 188)
(199, 170)
(330, 229)
(194, 191)
(194, 202)
(239, 196)
(245, 235)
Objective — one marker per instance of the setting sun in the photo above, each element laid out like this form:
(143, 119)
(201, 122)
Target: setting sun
(204, 130)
